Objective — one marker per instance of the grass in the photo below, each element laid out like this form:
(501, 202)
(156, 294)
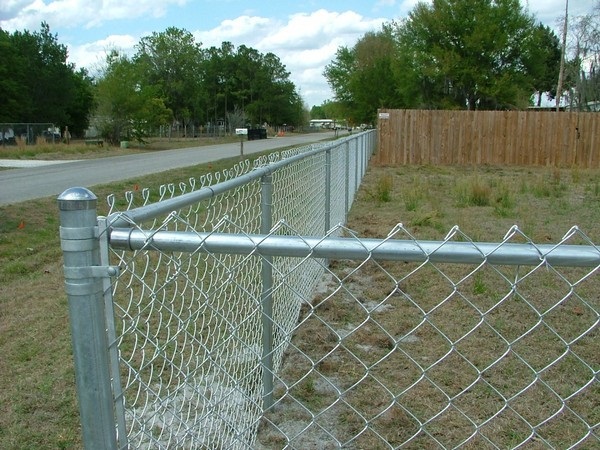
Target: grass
(77, 149)
(398, 340)
(38, 408)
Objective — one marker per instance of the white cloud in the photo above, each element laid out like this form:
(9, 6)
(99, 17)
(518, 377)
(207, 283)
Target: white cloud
(407, 6)
(28, 14)
(10, 8)
(314, 57)
(243, 29)
(308, 31)
(92, 55)
(551, 11)
(308, 42)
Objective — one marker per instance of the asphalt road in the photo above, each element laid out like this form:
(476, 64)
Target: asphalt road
(26, 183)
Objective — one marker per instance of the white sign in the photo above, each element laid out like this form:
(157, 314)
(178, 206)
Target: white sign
(241, 131)
(384, 115)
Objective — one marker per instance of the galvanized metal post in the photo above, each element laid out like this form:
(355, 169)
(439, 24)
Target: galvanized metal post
(362, 146)
(111, 335)
(83, 285)
(267, 293)
(356, 170)
(347, 174)
(327, 190)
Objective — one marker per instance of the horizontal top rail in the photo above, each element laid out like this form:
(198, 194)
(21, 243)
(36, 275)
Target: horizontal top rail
(348, 248)
(151, 211)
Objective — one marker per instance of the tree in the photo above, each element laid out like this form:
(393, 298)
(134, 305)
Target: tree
(13, 96)
(541, 61)
(339, 73)
(468, 53)
(362, 78)
(80, 102)
(172, 73)
(318, 112)
(222, 78)
(127, 107)
(37, 84)
(283, 104)
(171, 62)
(373, 82)
(582, 77)
(257, 84)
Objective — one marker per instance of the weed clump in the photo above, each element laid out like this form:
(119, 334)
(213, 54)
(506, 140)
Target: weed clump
(382, 192)
(384, 188)
(473, 192)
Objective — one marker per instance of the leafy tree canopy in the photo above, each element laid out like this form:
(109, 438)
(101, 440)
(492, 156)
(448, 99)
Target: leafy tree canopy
(170, 77)
(198, 85)
(450, 54)
(37, 84)
(469, 53)
(171, 62)
(362, 78)
(127, 107)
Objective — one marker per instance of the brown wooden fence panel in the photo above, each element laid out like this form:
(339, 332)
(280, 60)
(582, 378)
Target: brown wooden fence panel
(538, 138)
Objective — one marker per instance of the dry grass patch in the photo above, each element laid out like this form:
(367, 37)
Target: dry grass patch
(78, 149)
(420, 355)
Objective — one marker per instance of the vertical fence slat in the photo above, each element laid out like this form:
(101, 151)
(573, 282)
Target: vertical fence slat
(593, 141)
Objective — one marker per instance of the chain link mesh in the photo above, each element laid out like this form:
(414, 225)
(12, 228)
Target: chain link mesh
(428, 355)
(188, 328)
(366, 354)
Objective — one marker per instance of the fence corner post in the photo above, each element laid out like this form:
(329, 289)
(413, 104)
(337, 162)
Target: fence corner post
(83, 285)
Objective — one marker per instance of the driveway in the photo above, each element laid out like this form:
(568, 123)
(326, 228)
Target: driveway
(37, 179)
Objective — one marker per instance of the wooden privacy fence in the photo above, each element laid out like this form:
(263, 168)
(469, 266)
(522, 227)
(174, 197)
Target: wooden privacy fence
(534, 138)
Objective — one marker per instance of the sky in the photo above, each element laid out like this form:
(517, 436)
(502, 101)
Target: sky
(304, 34)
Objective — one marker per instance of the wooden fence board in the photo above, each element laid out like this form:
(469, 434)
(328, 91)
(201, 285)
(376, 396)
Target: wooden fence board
(538, 138)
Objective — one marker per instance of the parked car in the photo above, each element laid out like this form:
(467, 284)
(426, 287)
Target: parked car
(51, 136)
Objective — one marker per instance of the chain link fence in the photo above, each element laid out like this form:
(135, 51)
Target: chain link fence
(29, 133)
(242, 314)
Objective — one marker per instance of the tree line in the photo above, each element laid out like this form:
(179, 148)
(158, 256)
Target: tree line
(448, 54)
(37, 84)
(462, 54)
(170, 79)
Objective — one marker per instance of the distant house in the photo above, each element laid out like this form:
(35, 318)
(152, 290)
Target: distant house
(549, 104)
